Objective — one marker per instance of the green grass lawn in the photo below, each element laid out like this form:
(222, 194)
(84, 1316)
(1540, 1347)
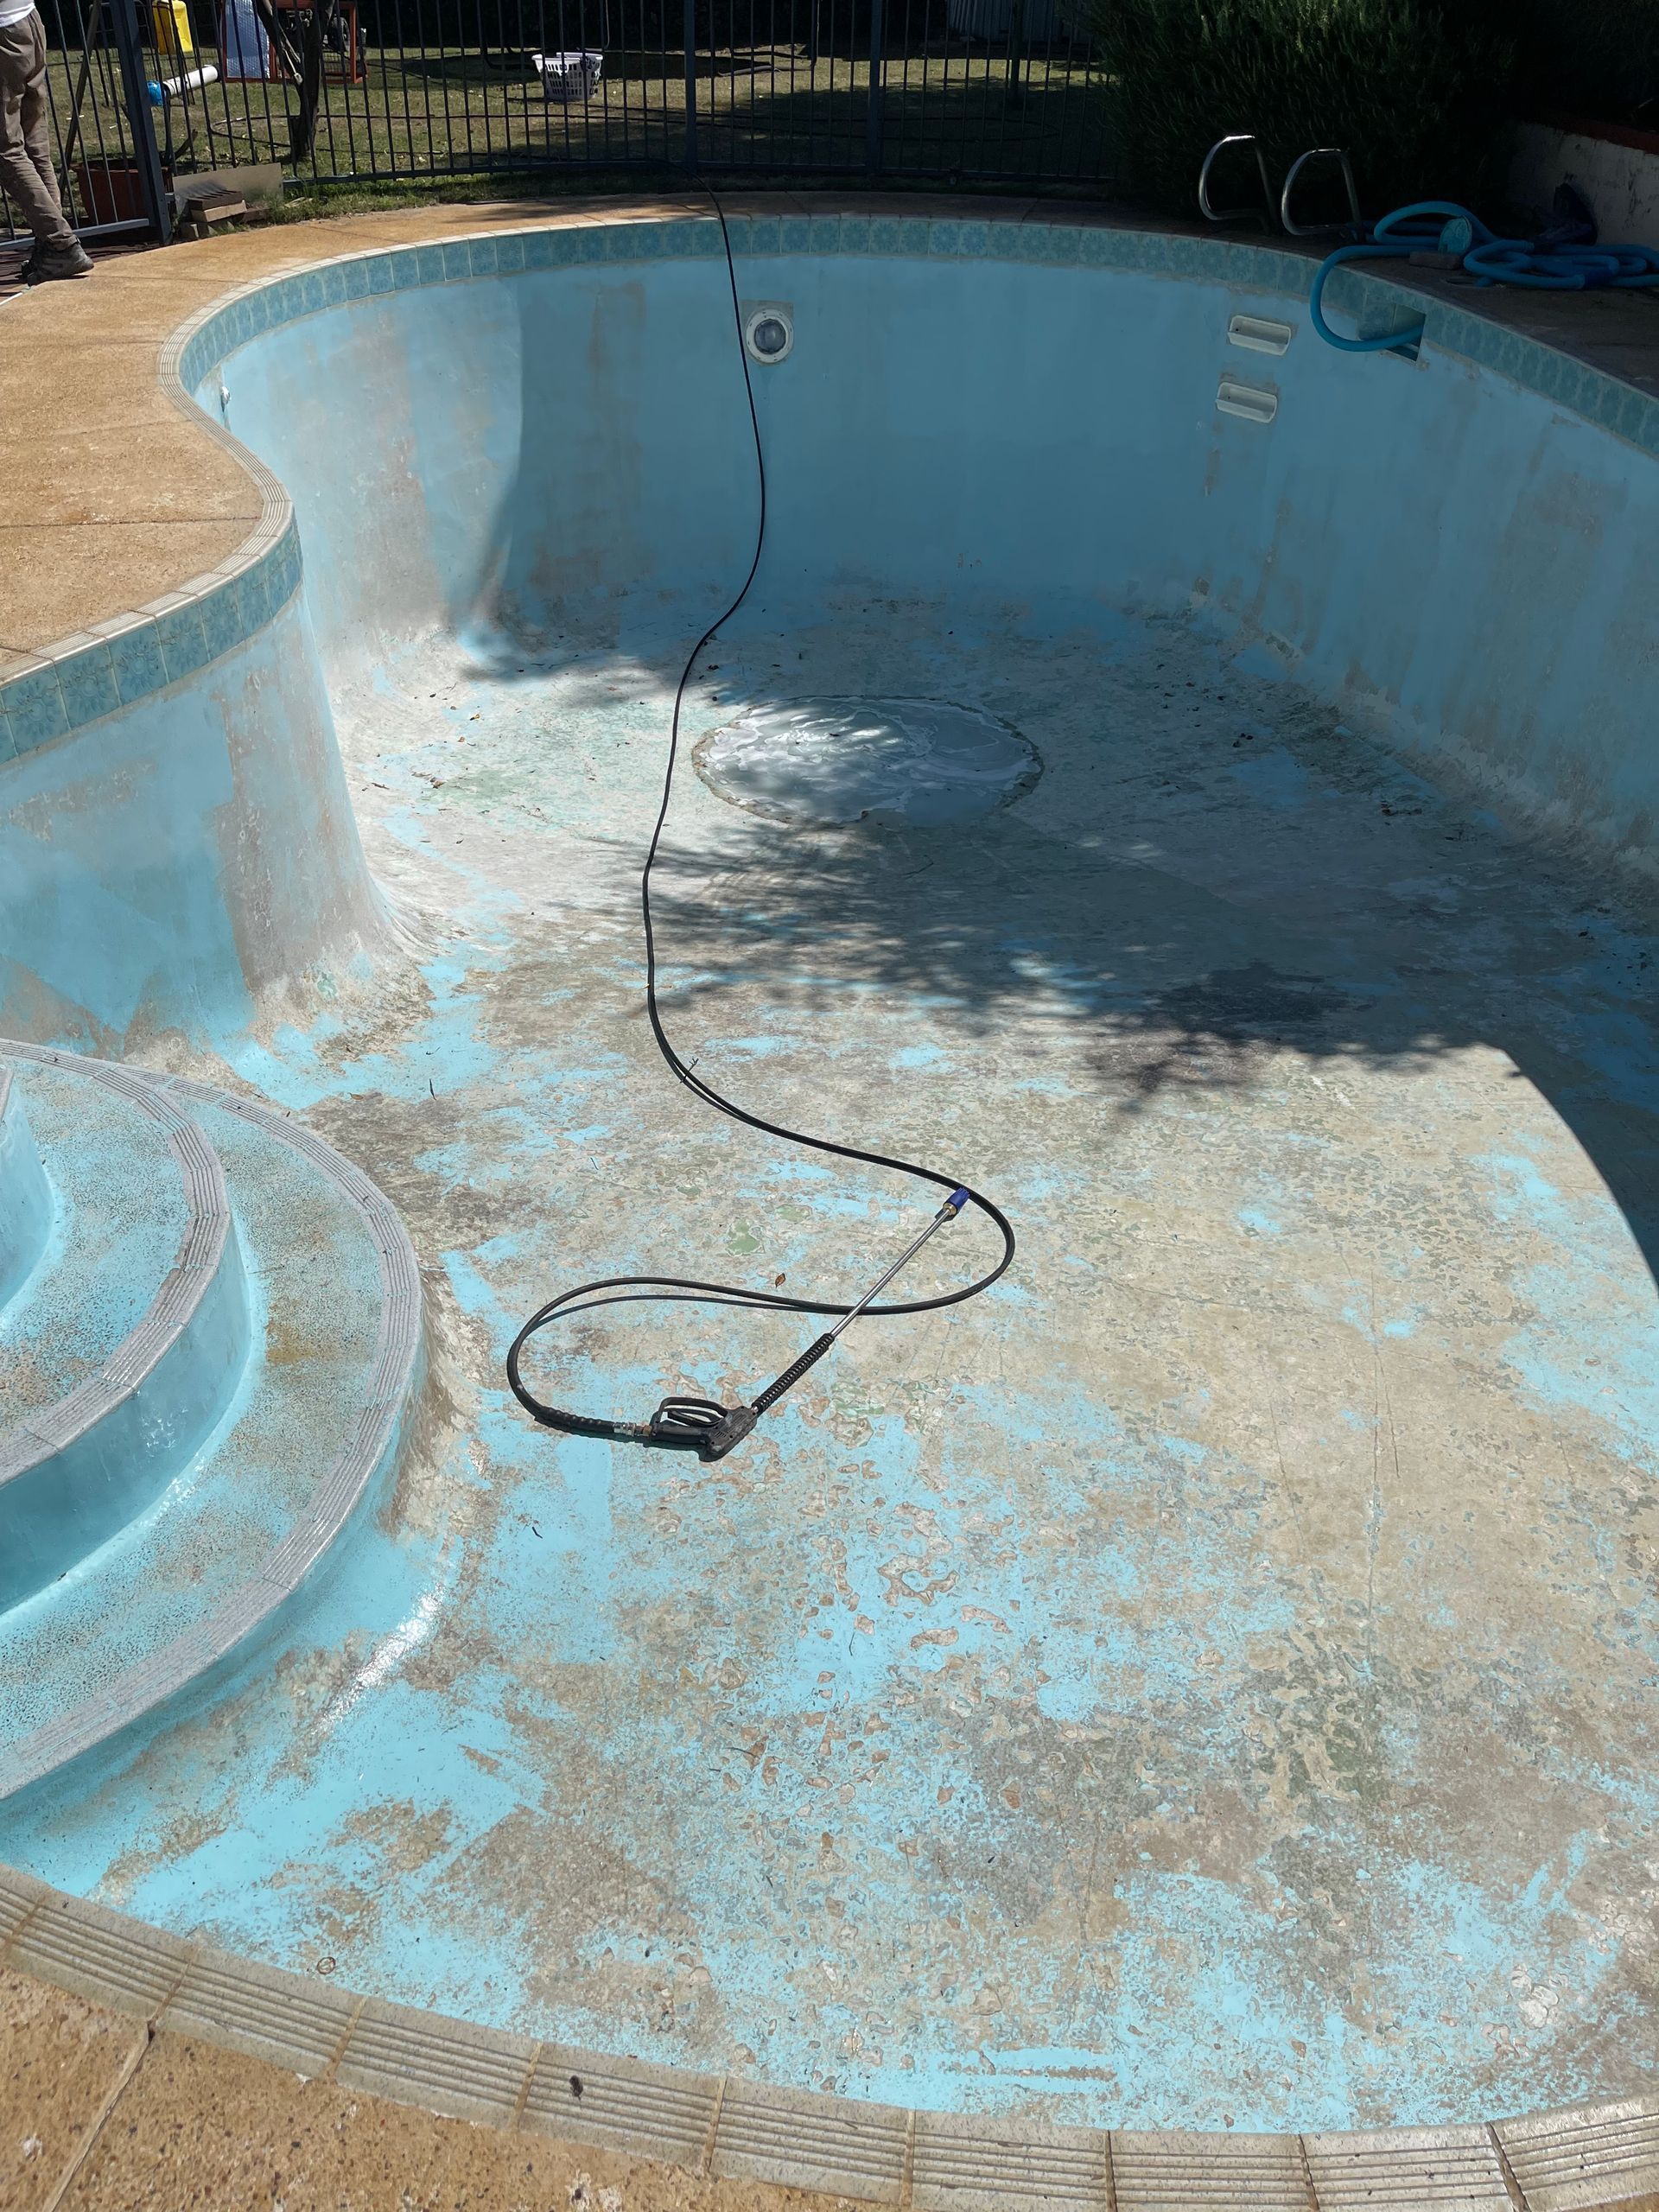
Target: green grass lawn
(947, 111)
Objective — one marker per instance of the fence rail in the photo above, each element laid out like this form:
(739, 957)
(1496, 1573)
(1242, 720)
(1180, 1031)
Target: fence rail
(147, 95)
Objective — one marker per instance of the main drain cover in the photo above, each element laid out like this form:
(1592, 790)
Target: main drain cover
(920, 763)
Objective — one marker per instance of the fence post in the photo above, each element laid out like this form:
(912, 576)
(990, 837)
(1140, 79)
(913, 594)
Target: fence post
(141, 118)
(691, 84)
(873, 114)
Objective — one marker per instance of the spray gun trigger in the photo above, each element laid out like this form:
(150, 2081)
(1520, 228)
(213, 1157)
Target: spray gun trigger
(685, 1420)
(702, 1425)
(731, 1428)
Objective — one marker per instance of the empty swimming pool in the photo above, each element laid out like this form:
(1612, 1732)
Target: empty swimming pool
(1198, 787)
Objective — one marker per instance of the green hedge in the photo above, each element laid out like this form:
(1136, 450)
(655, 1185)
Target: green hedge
(1418, 91)
(1597, 58)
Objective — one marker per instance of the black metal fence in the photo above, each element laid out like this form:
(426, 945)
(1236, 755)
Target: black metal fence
(108, 163)
(148, 95)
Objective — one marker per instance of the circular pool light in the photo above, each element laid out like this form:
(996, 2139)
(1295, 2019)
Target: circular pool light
(904, 763)
(769, 334)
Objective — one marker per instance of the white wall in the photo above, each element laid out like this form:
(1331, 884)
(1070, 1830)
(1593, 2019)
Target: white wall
(1620, 182)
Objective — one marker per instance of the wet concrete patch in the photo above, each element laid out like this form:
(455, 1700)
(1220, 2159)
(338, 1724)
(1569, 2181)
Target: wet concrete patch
(926, 764)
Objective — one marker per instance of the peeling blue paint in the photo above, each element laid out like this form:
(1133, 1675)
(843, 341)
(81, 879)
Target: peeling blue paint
(1207, 1681)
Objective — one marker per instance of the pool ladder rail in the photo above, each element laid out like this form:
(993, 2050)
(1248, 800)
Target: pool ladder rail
(1270, 210)
(1355, 234)
(1352, 230)
(1566, 257)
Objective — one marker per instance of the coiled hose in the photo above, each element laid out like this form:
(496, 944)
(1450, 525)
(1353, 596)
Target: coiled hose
(701, 1424)
(1442, 226)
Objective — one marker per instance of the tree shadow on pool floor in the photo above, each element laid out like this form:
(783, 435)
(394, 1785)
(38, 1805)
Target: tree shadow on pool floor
(1195, 946)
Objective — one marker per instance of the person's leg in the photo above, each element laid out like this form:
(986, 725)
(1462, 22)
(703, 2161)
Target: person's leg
(19, 178)
(25, 138)
(36, 139)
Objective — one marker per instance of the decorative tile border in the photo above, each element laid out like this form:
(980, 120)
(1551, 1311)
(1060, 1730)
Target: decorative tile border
(1048, 239)
(368, 1448)
(1586, 2160)
(116, 663)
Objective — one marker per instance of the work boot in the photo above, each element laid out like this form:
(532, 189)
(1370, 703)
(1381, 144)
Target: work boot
(48, 264)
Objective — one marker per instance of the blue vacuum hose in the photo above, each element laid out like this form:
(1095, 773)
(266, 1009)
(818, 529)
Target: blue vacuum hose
(1442, 226)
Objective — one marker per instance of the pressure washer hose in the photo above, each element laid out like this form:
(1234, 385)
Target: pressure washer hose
(1441, 225)
(700, 1424)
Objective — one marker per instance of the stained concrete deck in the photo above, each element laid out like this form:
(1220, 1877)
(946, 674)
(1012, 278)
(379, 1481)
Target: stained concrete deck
(99, 2113)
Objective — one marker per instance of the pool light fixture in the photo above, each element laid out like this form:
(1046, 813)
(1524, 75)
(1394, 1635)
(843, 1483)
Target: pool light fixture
(768, 334)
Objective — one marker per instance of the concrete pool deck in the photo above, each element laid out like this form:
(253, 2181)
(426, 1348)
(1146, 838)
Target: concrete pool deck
(104, 2112)
(1355, 1019)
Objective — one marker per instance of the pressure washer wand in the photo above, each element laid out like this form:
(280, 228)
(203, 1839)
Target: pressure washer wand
(952, 1206)
(688, 1420)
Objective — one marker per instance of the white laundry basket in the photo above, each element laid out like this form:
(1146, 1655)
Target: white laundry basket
(567, 76)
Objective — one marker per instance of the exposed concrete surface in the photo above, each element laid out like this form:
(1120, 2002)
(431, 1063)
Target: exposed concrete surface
(1617, 173)
(61, 2059)
(190, 2125)
(1208, 1683)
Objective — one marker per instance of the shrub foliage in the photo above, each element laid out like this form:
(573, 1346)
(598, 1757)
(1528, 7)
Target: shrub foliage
(1417, 90)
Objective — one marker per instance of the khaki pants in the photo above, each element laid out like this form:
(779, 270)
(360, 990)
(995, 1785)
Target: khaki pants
(26, 176)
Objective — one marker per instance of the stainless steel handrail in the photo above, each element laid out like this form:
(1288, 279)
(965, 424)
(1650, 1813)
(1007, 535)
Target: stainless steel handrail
(1321, 230)
(1235, 214)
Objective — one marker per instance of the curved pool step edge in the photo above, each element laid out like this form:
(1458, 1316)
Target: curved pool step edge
(196, 1662)
(26, 1202)
(1581, 2160)
(72, 1474)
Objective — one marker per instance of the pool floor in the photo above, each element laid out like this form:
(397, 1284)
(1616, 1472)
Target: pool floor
(1207, 1682)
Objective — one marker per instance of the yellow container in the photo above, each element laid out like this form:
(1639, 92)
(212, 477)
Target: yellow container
(171, 31)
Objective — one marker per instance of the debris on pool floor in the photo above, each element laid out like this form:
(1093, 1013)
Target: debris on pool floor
(1206, 1682)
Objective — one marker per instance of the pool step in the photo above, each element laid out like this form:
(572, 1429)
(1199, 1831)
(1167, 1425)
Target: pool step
(27, 1208)
(119, 1353)
(119, 1208)
(317, 1412)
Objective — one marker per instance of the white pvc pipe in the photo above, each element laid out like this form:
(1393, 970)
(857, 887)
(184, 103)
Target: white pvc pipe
(192, 81)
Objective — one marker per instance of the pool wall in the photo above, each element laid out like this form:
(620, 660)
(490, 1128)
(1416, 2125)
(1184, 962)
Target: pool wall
(182, 862)
(525, 438)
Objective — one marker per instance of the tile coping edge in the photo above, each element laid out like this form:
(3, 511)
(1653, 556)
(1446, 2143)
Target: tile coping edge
(1581, 2160)
(114, 663)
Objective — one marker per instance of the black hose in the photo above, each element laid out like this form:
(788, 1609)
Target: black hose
(621, 1290)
